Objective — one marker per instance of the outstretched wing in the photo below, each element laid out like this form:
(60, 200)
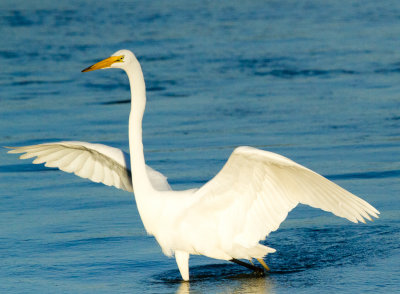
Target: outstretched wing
(97, 162)
(255, 190)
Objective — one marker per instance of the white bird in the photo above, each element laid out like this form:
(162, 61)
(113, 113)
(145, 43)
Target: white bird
(224, 219)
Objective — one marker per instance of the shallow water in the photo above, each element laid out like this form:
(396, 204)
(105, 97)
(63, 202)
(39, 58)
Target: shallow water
(317, 82)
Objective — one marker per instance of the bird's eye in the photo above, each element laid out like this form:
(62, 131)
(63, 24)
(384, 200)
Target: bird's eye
(120, 59)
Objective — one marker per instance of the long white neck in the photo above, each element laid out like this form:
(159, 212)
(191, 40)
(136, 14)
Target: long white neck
(140, 180)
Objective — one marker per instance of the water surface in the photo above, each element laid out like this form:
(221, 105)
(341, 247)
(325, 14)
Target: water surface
(317, 82)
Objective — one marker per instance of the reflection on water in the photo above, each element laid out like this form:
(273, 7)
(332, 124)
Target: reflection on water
(217, 278)
(184, 288)
(242, 285)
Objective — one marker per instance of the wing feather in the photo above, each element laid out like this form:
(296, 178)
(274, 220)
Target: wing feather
(108, 177)
(87, 169)
(72, 162)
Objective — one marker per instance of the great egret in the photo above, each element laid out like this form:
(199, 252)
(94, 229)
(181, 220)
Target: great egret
(224, 219)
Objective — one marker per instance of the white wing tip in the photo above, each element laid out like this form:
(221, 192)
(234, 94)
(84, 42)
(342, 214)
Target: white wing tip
(13, 149)
(369, 215)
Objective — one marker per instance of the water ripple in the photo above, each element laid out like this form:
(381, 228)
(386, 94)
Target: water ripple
(291, 73)
(17, 168)
(366, 175)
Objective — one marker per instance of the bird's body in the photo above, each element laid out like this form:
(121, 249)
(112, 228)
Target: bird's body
(224, 219)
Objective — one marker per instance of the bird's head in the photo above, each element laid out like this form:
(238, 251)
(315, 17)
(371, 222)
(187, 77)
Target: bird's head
(120, 59)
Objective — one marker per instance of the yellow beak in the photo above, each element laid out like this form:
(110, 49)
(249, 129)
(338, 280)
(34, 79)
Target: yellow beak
(104, 63)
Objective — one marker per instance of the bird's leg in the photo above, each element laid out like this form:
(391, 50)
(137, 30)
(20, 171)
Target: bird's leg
(260, 260)
(247, 265)
(182, 260)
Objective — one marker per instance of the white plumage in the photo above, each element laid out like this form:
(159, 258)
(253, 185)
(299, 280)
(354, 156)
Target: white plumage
(227, 217)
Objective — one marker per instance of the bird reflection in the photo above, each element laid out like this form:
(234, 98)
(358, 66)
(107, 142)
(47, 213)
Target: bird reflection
(184, 288)
(241, 285)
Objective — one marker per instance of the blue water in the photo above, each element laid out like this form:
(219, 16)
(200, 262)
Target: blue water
(317, 81)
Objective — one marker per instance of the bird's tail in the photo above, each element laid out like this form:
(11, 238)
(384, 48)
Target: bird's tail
(258, 251)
